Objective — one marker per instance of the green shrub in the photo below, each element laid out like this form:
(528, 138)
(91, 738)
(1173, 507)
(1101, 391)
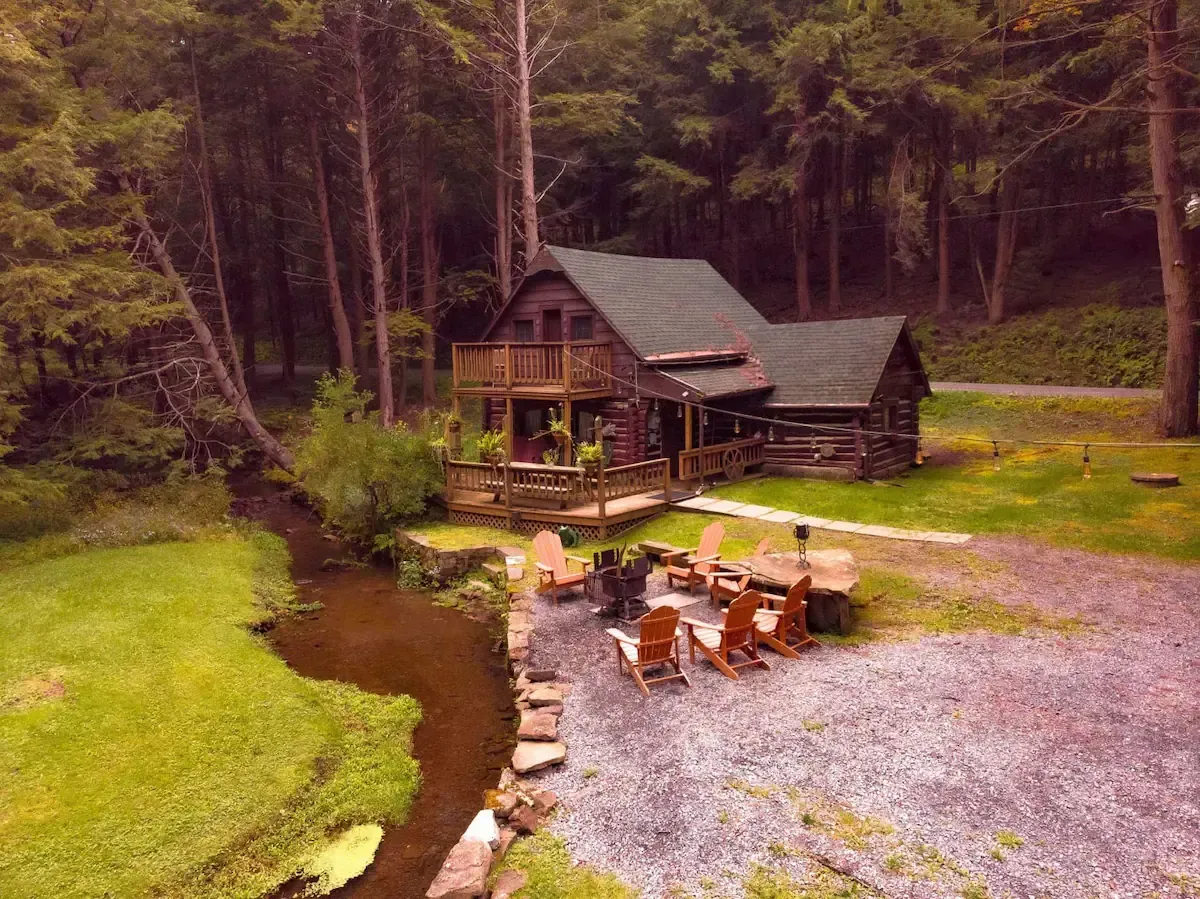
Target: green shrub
(1097, 345)
(366, 479)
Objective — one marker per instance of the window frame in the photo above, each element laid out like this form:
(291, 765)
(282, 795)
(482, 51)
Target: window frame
(518, 323)
(591, 326)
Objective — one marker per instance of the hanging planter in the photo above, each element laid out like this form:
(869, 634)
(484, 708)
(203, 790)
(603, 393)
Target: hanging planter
(588, 456)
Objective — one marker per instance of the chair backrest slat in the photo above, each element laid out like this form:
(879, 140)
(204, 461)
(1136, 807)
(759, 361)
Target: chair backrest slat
(710, 540)
(657, 637)
(739, 620)
(549, 549)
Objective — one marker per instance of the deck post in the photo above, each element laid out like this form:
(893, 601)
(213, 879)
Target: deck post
(687, 426)
(508, 372)
(508, 492)
(599, 440)
(566, 367)
(666, 479)
(566, 447)
(508, 428)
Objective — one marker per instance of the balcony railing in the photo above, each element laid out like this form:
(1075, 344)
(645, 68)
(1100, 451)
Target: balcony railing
(565, 367)
(525, 483)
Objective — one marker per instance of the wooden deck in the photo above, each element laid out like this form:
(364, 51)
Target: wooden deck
(530, 498)
(567, 370)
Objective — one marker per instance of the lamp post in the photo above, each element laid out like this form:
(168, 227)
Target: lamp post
(801, 532)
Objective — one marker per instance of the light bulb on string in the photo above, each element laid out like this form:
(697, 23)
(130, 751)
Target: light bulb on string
(706, 418)
(1087, 464)
(679, 411)
(771, 433)
(995, 456)
(737, 426)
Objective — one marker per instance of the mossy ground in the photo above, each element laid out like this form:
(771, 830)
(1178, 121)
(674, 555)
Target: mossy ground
(177, 755)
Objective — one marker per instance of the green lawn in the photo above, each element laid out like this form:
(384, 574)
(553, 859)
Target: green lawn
(1039, 492)
(151, 744)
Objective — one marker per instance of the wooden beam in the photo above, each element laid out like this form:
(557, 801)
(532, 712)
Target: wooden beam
(687, 427)
(508, 427)
(566, 448)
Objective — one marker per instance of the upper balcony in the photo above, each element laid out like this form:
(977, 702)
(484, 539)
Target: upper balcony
(573, 370)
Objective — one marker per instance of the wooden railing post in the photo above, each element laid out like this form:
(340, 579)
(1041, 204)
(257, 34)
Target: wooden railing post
(508, 372)
(598, 437)
(567, 361)
(666, 475)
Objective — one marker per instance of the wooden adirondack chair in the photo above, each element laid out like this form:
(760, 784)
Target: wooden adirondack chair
(787, 624)
(553, 573)
(736, 634)
(690, 566)
(657, 644)
(726, 585)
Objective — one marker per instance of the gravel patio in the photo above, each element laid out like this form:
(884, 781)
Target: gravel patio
(952, 765)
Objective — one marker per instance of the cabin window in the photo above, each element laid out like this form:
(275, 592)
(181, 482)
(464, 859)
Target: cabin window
(532, 422)
(890, 417)
(581, 327)
(524, 330)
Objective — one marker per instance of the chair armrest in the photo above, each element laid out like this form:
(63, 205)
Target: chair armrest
(774, 613)
(586, 563)
(621, 636)
(668, 558)
(543, 567)
(694, 562)
(692, 622)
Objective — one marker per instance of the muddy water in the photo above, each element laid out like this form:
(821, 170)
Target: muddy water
(387, 641)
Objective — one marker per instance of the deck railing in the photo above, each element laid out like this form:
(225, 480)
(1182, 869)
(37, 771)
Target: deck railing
(569, 366)
(564, 486)
(734, 456)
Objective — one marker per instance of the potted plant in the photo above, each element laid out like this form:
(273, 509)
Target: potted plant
(588, 456)
(558, 428)
(551, 456)
(491, 447)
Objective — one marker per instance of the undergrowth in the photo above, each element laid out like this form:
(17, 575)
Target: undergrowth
(552, 875)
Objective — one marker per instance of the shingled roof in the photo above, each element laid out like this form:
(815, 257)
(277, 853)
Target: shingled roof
(831, 363)
(660, 307)
(682, 317)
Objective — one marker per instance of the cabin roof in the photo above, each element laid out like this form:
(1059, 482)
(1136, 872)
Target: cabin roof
(683, 318)
(829, 363)
(660, 307)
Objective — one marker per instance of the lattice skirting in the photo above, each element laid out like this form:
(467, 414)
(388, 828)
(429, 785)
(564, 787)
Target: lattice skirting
(529, 527)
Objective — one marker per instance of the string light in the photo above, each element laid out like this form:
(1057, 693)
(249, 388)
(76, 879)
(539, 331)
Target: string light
(679, 411)
(771, 433)
(995, 455)
(737, 426)
(1087, 463)
(706, 418)
(812, 442)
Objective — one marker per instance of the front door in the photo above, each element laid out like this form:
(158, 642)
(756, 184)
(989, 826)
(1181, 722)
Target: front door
(552, 325)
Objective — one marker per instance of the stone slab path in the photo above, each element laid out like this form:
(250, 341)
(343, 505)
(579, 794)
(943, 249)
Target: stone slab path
(709, 504)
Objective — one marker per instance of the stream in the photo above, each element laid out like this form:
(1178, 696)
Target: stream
(386, 640)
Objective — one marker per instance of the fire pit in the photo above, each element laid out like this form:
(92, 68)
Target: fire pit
(623, 584)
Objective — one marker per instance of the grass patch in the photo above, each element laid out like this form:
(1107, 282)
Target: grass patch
(183, 757)
(1039, 492)
(824, 883)
(837, 821)
(889, 604)
(552, 875)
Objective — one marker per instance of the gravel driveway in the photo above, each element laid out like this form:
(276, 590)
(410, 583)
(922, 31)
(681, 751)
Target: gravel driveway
(976, 764)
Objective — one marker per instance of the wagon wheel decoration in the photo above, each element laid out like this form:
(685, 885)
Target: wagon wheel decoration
(733, 463)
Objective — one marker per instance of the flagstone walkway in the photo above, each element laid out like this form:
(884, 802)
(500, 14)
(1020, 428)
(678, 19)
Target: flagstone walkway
(713, 505)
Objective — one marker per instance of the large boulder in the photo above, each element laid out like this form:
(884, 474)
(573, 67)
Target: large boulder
(464, 872)
(484, 829)
(534, 755)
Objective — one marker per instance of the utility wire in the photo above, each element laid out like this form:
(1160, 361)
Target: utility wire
(1011, 441)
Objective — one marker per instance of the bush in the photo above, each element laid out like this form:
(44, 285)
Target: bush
(1097, 345)
(364, 478)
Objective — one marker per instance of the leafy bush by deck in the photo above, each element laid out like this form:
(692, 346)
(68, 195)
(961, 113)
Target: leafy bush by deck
(153, 746)
(366, 479)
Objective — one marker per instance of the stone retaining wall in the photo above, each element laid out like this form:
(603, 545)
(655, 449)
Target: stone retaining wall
(444, 564)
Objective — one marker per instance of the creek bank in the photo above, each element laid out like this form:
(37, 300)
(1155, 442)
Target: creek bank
(391, 641)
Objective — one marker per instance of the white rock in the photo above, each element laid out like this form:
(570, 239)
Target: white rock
(483, 829)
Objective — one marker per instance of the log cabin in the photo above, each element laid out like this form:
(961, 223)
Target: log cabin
(663, 349)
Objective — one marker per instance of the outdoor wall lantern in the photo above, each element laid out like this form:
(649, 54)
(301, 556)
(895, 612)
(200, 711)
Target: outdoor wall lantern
(801, 532)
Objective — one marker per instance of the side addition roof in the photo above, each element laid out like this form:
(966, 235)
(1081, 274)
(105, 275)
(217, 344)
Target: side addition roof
(830, 363)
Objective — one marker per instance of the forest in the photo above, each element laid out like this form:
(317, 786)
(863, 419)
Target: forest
(195, 190)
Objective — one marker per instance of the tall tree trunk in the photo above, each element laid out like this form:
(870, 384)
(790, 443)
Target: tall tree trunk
(247, 323)
(837, 187)
(429, 274)
(280, 284)
(889, 278)
(529, 214)
(405, 351)
(1006, 245)
(237, 399)
(500, 116)
(383, 355)
(210, 229)
(337, 307)
(357, 310)
(800, 238)
(1179, 402)
(943, 207)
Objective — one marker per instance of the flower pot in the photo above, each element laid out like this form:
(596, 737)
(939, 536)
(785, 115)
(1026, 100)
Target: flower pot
(559, 438)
